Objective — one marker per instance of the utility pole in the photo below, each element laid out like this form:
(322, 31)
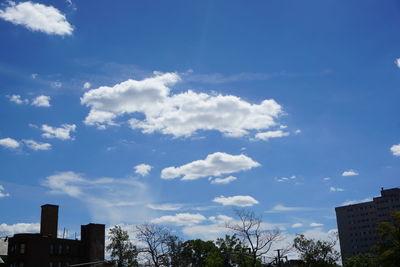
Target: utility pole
(278, 259)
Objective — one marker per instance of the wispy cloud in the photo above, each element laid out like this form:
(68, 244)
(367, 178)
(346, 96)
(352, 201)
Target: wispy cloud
(350, 173)
(239, 201)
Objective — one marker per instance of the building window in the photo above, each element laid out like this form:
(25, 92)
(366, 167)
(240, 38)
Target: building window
(67, 249)
(51, 251)
(22, 249)
(60, 249)
(50, 264)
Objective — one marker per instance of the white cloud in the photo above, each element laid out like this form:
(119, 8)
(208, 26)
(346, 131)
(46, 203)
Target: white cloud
(86, 85)
(397, 62)
(9, 143)
(395, 150)
(271, 134)
(215, 164)
(285, 179)
(283, 208)
(37, 17)
(349, 173)
(34, 75)
(41, 101)
(351, 202)
(3, 193)
(63, 132)
(110, 200)
(17, 99)
(240, 201)
(226, 180)
(180, 115)
(165, 207)
(314, 224)
(12, 229)
(335, 189)
(180, 219)
(37, 145)
(298, 131)
(297, 225)
(326, 179)
(142, 169)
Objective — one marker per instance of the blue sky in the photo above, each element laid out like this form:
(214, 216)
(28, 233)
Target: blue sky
(176, 112)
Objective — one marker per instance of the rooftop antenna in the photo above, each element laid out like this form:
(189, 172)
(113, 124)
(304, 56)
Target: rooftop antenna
(64, 233)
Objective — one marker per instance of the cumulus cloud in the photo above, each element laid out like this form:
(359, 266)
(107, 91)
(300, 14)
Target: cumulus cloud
(62, 133)
(142, 169)
(215, 164)
(226, 180)
(2, 192)
(41, 101)
(165, 207)
(180, 115)
(9, 143)
(271, 134)
(110, 200)
(395, 150)
(12, 229)
(37, 145)
(335, 189)
(17, 99)
(180, 219)
(349, 173)
(240, 201)
(37, 17)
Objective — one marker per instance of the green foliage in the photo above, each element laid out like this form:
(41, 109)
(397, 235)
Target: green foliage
(316, 253)
(388, 250)
(123, 252)
(361, 260)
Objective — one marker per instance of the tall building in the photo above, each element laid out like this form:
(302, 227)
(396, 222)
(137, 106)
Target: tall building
(357, 223)
(45, 249)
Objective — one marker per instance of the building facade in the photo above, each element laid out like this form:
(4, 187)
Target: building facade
(357, 223)
(47, 250)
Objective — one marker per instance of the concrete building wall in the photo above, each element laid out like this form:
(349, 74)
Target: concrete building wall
(357, 223)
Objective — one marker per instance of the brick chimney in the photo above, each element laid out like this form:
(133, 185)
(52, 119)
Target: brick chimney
(49, 220)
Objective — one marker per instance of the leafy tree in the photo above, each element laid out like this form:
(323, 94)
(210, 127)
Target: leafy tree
(252, 234)
(316, 253)
(388, 250)
(123, 252)
(199, 253)
(361, 260)
(232, 252)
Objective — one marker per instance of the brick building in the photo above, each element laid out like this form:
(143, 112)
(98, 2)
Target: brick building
(46, 249)
(357, 223)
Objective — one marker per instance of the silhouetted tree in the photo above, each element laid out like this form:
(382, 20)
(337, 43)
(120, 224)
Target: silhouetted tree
(123, 252)
(253, 235)
(155, 240)
(361, 260)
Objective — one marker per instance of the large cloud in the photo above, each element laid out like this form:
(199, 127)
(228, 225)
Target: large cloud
(37, 17)
(239, 201)
(215, 164)
(180, 115)
(41, 101)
